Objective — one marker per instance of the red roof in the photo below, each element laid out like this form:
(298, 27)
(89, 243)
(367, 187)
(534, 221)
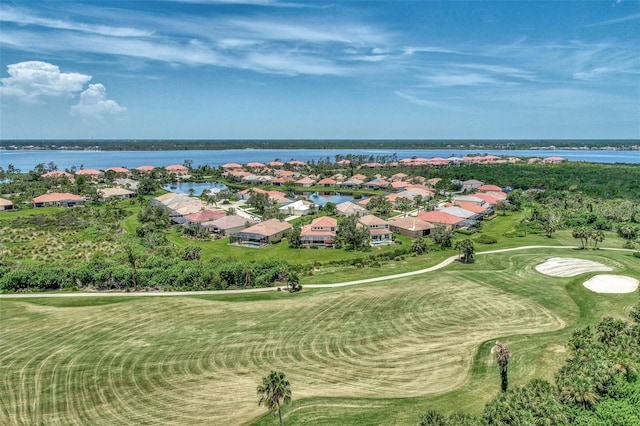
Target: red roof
(145, 168)
(439, 217)
(205, 215)
(118, 169)
(89, 172)
(487, 188)
(176, 168)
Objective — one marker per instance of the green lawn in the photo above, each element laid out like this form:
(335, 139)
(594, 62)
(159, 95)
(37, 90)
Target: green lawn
(370, 354)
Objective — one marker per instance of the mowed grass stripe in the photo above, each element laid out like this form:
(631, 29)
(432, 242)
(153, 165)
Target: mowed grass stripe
(161, 361)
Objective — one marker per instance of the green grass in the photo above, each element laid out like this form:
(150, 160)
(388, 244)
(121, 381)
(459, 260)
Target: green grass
(371, 354)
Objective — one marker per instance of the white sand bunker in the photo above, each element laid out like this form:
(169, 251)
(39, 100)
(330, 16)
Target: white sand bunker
(570, 267)
(611, 284)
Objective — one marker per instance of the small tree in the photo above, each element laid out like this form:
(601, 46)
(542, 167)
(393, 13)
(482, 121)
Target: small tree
(293, 236)
(466, 250)
(419, 246)
(502, 357)
(274, 391)
(442, 236)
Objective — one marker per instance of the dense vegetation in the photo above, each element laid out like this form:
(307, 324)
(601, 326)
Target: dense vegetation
(598, 385)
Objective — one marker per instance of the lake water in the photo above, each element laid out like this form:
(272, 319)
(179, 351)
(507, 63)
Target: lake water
(27, 159)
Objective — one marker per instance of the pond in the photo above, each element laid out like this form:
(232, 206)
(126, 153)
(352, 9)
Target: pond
(183, 187)
(334, 197)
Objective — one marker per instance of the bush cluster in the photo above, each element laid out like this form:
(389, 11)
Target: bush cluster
(155, 273)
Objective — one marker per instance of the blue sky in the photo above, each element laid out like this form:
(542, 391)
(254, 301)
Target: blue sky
(271, 69)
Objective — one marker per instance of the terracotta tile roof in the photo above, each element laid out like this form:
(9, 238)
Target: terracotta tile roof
(325, 222)
(472, 207)
(176, 168)
(232, 166)
(4, 202)
(89, 172)
(56, 197)
(205, 215)
(119, 170)
(411, 223)
(327, 181)
(486, 198)
(487, 188)
(439, 217)
(145, 168)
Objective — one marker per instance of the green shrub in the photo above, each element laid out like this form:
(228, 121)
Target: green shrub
(486, 239)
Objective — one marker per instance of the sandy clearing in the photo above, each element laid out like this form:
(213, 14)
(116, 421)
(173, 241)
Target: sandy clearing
(570, 267)
(611, 284)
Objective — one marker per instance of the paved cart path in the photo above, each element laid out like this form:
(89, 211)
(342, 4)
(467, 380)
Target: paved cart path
(440, 265)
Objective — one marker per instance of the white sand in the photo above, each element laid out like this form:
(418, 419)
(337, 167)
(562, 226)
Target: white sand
(612, 284)
(570, 267)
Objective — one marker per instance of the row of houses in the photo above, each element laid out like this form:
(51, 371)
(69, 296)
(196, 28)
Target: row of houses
(187, 211)
(96, 174)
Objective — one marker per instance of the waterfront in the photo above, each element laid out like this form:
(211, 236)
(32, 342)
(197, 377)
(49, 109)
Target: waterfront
(64, 159)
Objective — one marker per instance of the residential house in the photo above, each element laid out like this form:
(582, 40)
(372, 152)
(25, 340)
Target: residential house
(377, 183)
(202, 216)
(447, 220)
(93, 174)
(489, 188)
(57, 175)
(299, 208)
(127, 183)
(305, 182)
(119, 170)
(145, 169)
(378, 229)
(352, 183)
(327, 183)
(320, 233)
(106, 193)
(410, 226)
(177, 169)
(349, 208)
(228, 225)
(60, 199)
(471, 184)
(5, 204)
(261, 234)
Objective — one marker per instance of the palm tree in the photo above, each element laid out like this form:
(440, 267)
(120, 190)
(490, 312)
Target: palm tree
(274, 392)
(502, 357)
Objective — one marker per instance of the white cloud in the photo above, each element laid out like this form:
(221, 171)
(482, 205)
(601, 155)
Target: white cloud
(17, 16)
(593, 75)
(94, 104)
(427, 49)
(31, 80)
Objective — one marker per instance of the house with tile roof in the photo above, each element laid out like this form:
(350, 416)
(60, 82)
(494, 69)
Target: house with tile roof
(410, 226)
(59, 199)
(378, 229)
(5, 204)
(228, 225)
(262, 234)
(447, 220)
(349, 208)
(320, 233)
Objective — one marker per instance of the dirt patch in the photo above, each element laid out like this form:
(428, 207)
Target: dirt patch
(570, 267)
(611, 284)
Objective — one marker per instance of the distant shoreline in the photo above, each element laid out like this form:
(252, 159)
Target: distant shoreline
(289, 144)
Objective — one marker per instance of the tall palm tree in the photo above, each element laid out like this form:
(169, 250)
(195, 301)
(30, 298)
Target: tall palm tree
(502, 357)
(274, 391)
